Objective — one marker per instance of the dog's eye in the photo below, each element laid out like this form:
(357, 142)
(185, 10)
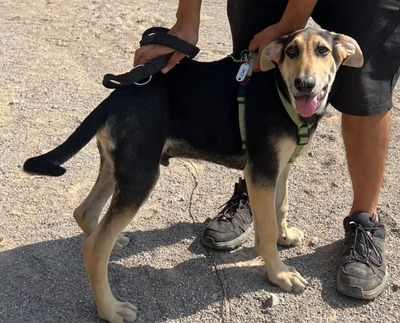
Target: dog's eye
(292, 51)
(322, 51)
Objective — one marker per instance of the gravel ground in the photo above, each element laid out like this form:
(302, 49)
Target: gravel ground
(53, 56)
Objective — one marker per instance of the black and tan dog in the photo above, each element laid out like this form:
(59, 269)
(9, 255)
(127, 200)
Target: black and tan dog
(192, 112)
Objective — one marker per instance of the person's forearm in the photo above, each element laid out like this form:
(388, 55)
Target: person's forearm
(188, 13)
(297, 13)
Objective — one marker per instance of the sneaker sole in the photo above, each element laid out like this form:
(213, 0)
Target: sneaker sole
(359, 293)
(228, 245)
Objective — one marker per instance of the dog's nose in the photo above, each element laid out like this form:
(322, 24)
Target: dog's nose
(304, 85)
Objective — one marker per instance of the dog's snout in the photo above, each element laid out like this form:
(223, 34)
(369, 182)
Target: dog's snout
(304, 85)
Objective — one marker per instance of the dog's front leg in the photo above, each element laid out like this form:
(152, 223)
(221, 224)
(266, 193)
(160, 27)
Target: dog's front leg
(287, 236)
(262, 200)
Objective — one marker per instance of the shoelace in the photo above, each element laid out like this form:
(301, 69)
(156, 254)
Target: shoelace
(370, 254)
(229, 208)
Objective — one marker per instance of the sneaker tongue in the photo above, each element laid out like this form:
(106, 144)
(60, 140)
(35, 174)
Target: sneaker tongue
(364, 219)
(306, 105)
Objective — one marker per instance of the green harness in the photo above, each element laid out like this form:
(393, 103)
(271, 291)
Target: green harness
(303, 134)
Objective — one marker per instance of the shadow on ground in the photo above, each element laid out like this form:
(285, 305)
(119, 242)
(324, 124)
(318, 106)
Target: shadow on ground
(47, 281)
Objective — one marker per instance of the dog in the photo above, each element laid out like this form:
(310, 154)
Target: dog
(191, 112)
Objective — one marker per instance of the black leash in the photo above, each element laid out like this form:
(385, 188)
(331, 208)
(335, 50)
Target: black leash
(141, 74)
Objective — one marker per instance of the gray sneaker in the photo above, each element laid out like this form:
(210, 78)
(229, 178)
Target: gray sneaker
(362, 272)
(233, 225)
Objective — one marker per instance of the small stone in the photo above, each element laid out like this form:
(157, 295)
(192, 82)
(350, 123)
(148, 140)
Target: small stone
(214, 296)
(314, 241)
(310, 154)
(14, 102)
(273, 300)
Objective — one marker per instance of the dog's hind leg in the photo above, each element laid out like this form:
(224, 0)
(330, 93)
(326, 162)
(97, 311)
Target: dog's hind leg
(287, 236)
(136, 170)
(96, 253)
(88, 212)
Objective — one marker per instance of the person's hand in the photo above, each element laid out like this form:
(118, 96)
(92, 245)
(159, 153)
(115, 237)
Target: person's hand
(147, 53)
(295, 17)
(265, 37)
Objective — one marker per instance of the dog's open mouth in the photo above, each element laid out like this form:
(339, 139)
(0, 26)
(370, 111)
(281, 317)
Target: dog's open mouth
(306, 105)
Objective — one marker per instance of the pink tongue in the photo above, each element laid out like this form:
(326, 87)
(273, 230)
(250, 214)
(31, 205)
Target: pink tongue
(306, 105)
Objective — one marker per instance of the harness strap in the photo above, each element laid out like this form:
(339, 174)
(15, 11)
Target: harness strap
(303, 134)
(241, 98)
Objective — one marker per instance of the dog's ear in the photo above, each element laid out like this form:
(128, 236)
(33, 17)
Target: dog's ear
(348, 50)
(270, 54)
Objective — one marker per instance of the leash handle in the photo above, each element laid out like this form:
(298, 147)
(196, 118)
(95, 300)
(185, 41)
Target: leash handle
(137, 74)
(141, 74)
(171, 41)
(153, 30)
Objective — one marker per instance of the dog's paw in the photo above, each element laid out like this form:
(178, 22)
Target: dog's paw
(122, 242)
(292, 237)
(289, 279)
(119, 312)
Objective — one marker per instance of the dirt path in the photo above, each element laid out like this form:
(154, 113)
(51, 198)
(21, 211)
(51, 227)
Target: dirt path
(53, 55)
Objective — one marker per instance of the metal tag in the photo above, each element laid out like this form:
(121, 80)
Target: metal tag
(241, 74)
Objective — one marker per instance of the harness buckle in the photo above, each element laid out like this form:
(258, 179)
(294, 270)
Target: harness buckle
(145, 81)
(303, 135)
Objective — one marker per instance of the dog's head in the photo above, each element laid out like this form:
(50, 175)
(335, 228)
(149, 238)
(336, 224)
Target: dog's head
(307, 61)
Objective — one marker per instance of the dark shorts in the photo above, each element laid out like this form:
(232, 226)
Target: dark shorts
(374, 24)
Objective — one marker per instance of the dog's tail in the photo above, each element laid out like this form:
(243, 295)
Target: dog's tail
(48, 164)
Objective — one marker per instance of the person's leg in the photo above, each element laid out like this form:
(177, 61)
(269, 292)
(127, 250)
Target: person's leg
(249, 17)
(366, 141)
(234, 223)
(364, 97)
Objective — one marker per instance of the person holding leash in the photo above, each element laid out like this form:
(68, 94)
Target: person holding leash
(363, 96)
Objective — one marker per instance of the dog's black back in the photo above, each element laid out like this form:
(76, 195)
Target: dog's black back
(190, 112)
